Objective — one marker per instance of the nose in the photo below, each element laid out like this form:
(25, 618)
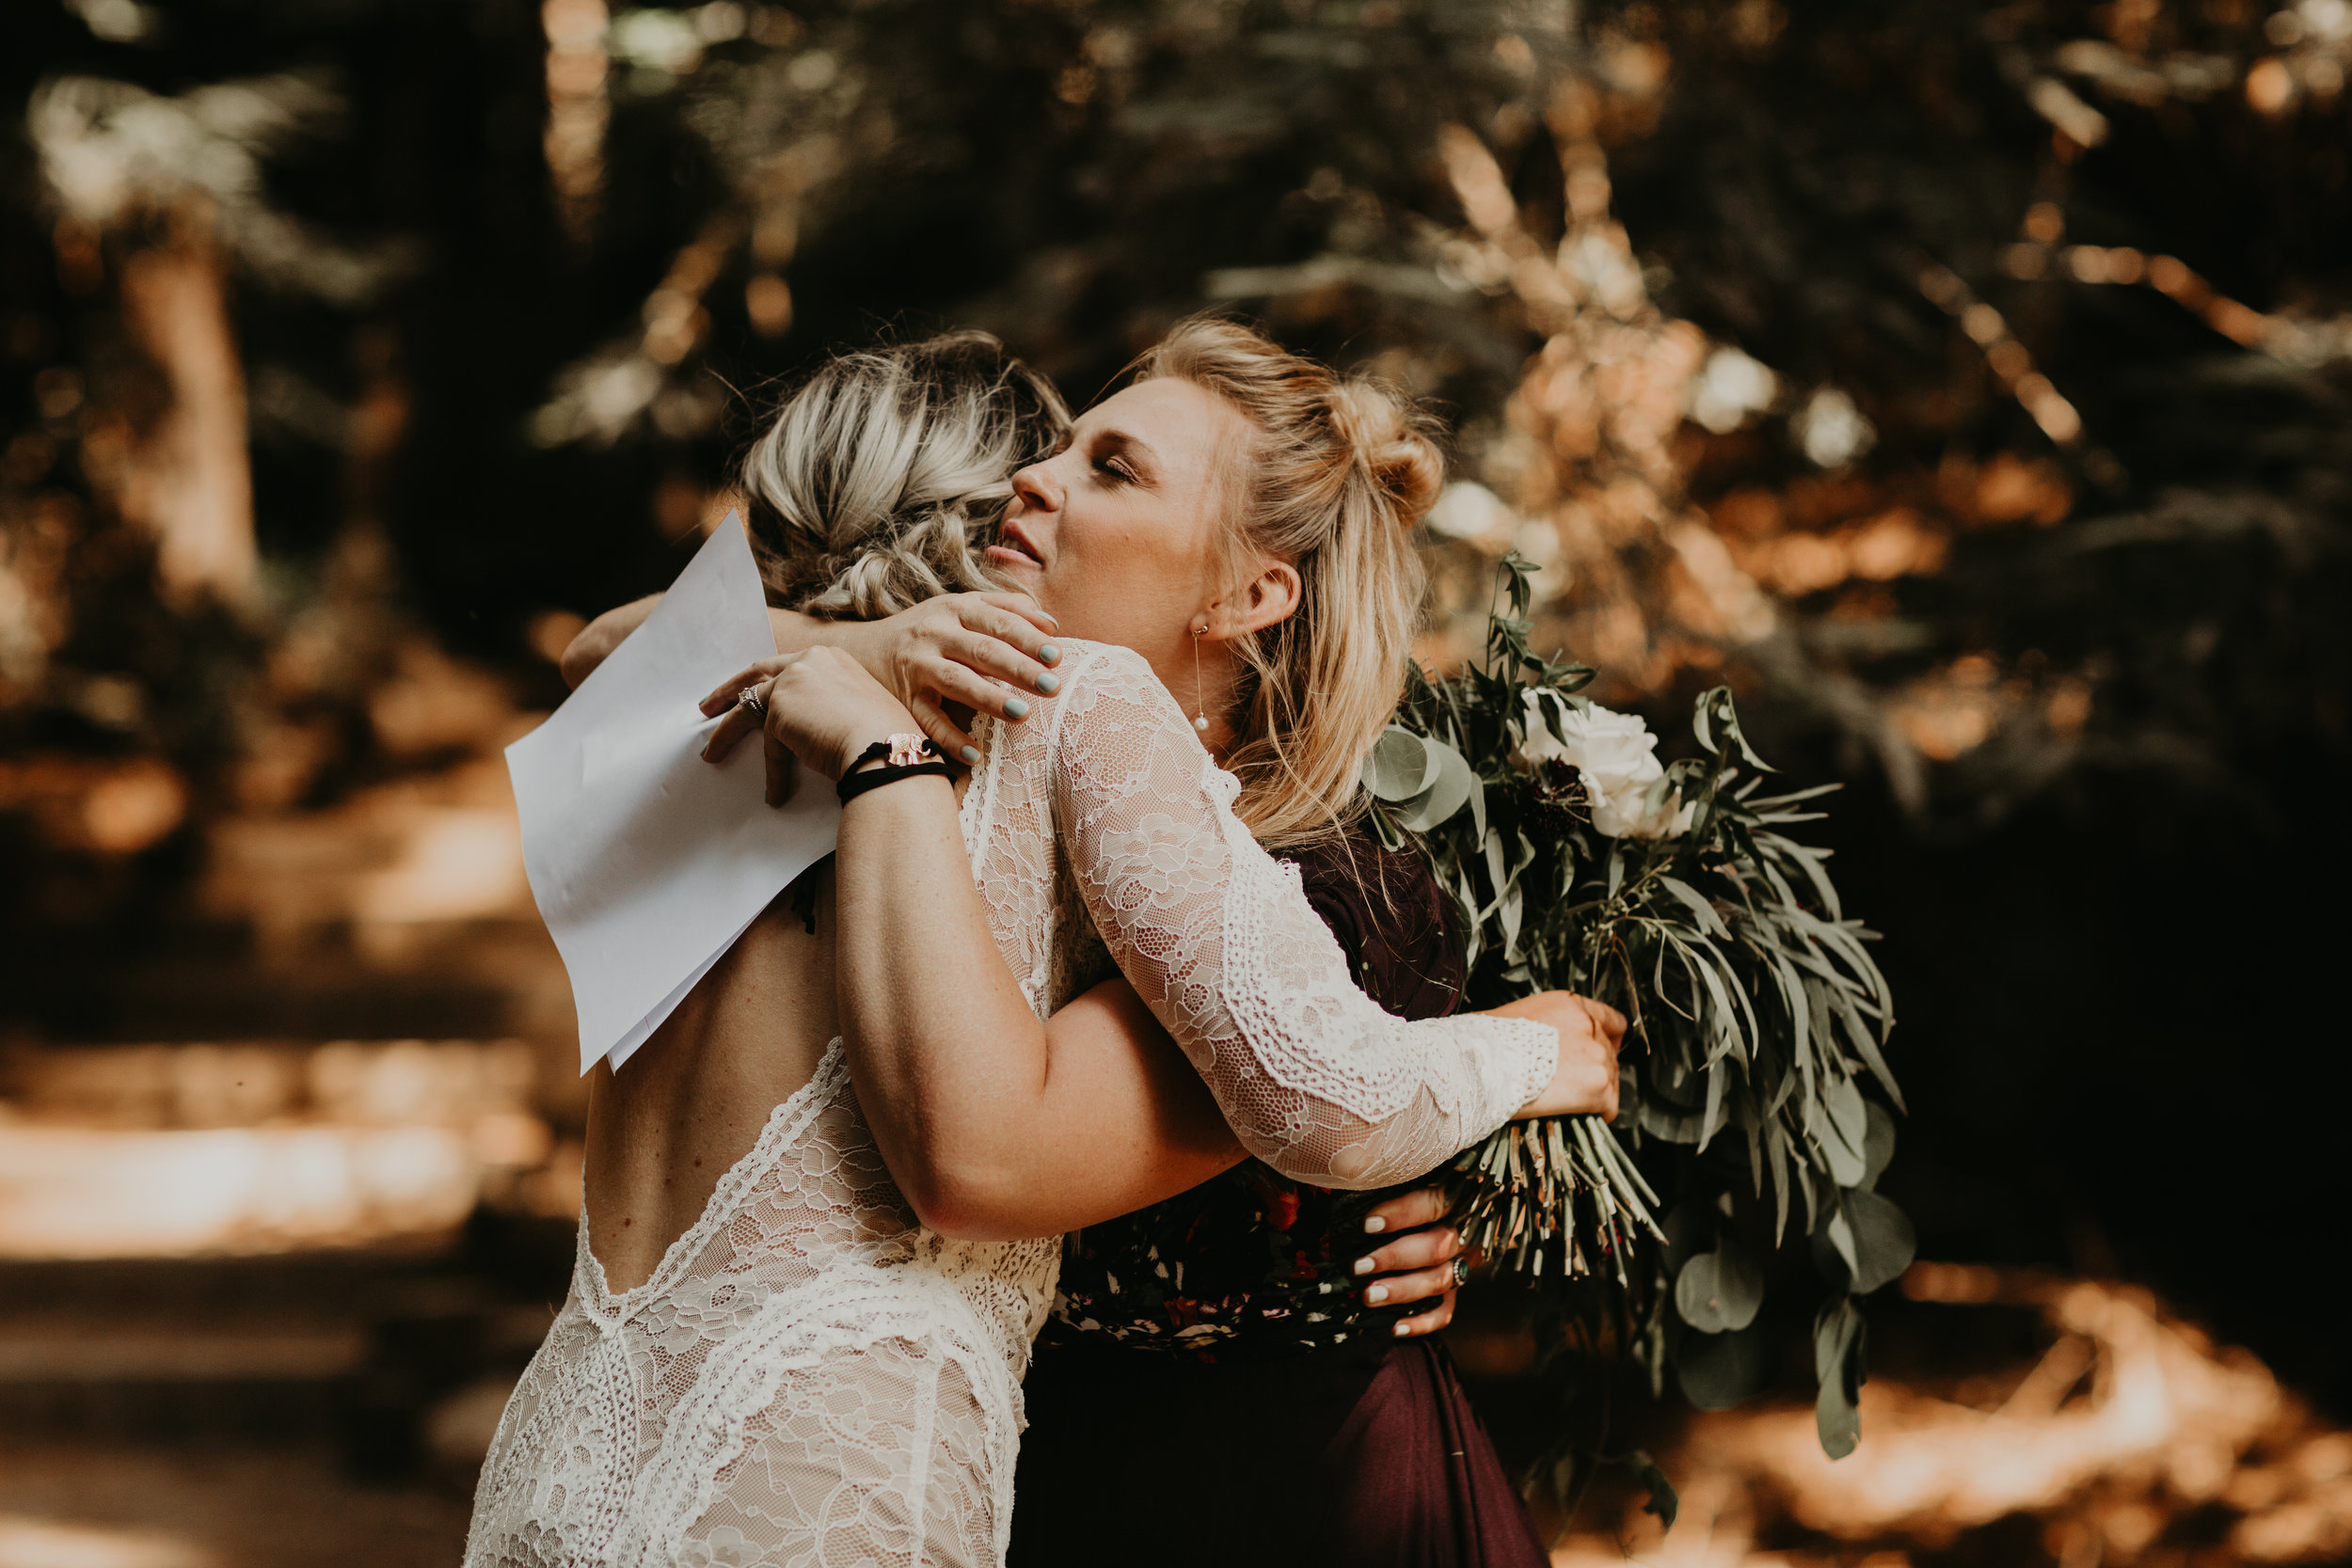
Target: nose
(1037, 489)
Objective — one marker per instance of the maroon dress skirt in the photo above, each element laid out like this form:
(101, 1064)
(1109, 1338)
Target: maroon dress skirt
(1356, 1459)
(1211, 1389)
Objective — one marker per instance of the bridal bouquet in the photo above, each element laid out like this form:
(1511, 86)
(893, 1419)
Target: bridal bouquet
(1754, 1090)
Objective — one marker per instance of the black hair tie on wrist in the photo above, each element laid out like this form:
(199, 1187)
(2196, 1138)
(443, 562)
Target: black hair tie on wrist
(854, 784)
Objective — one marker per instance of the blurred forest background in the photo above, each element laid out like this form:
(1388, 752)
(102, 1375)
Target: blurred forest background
(1966, 383)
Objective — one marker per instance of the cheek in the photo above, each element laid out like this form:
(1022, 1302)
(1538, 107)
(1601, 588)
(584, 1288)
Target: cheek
(1117, 585)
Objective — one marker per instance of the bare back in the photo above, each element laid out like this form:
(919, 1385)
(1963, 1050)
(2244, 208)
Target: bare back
(695, 1097)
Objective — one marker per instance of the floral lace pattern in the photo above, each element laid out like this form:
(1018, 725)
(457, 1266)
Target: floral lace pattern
(809, 1377)
(1219, 940)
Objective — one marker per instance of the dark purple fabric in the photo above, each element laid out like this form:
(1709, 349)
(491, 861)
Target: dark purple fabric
(1263, 1437)
(1415, 1481)
(1343, 1459)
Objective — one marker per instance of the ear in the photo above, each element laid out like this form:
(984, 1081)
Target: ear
(1270, 597)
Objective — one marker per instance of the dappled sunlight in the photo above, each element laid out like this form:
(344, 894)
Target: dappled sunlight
(180, 1150)
(28, 1543)
(2132, 1431)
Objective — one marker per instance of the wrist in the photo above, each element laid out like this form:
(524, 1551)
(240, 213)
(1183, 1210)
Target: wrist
(886, 762)
(867, 643)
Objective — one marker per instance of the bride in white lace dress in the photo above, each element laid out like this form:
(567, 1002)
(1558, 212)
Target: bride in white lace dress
(792, 1358)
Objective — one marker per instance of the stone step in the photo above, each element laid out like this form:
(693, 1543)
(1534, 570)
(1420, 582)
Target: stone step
(259, 1147)
(365, 1352)
(487, 977)
(401, 910)
(96, 1503)
(262, 1083)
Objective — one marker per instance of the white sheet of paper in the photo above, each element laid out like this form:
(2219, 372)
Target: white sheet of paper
(647, 862)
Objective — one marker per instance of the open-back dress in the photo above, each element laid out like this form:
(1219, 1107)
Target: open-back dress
(811, 1378)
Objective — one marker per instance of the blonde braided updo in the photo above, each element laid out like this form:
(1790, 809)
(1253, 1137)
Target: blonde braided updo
(876, 479)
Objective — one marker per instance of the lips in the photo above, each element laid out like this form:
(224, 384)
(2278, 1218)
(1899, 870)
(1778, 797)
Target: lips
(1015, 545)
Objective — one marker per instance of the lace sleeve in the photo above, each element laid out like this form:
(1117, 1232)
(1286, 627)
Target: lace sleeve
(1219, 940)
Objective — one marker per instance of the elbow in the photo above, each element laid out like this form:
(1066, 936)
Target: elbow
(963, 1196)
(968, 1210)
(1352, 1167)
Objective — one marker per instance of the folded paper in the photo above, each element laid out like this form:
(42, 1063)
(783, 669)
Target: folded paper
(648, 862)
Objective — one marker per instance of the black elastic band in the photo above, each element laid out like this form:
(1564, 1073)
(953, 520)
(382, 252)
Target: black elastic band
(854, 784)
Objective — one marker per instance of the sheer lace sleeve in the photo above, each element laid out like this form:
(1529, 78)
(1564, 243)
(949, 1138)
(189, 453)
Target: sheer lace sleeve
(1219, 940)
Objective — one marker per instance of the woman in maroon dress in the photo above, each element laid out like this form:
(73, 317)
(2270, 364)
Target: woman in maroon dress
(1213, 1386)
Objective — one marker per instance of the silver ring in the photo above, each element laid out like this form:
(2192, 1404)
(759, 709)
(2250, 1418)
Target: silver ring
(754, 698)
(1461, 1272)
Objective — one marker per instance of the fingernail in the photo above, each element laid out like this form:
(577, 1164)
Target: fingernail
(1016, 708)
(1375, 1295)
(1403, 1330)
(1049, 684)
(1375, 1224)
(1049, 654)
(1363, 1265)
(971, 755)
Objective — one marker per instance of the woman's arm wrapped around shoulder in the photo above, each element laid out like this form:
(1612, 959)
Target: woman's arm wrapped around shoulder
(1220, 942)
(997, 1124)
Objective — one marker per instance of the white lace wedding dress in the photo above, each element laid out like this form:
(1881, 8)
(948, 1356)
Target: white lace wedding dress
(809, 1377)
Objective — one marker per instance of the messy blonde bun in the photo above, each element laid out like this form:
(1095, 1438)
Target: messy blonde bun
(873, 485)
(1338, 471)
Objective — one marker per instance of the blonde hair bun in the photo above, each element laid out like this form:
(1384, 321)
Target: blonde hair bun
(1336, 472)
(1392, 442)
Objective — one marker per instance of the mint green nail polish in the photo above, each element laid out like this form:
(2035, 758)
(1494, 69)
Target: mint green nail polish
(1049, 684)
(1049, 654)
(1016, 708)
(971, 755)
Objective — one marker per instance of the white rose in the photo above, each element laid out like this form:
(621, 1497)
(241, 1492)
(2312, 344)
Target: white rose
(1614, 754)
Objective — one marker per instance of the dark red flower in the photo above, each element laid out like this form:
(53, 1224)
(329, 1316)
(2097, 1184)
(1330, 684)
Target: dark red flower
(1283, 1208)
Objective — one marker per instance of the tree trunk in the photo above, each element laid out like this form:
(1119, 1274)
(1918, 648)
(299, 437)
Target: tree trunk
(191, 481)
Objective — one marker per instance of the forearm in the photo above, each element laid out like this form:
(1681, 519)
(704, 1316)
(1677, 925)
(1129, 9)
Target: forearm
(918, 983)
(994, 1126)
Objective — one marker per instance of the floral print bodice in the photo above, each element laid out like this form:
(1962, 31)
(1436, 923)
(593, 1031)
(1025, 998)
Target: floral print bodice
(1252, 1264)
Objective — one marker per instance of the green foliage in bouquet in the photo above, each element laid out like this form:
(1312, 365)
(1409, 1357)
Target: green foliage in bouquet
(1753, 1074)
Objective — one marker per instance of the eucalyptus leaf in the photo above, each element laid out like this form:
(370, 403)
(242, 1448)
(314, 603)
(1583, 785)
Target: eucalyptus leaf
(1663, 1501)
(1843, 1131)
(1883, 1242)
(1448, 792)
(1720, 1291)
(1718, 1370)
(1838, 1231)
(1661, 1121)
(1828, 1261)
(1690, 1228)
(1878, 1144)
(1837, 1363)
(1836, 1420)
(1401, 765)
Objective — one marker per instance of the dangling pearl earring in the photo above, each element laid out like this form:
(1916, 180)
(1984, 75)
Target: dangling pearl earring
(1200, 721)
